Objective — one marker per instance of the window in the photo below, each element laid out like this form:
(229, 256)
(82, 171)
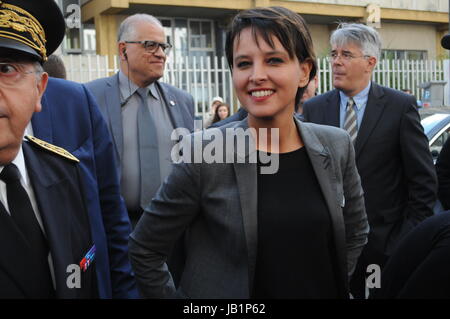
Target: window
(72, 40)
(201, 34)
(168, 29)
(189, 37)
(89, 41)
(181, 38)
(74, 32)
(404, 55)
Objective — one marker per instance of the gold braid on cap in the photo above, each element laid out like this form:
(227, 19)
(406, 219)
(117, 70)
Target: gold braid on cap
(21, 21)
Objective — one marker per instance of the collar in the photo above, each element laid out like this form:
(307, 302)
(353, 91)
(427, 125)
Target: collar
(359, 99)
(128, 88)
(19, 161)
(29, 129)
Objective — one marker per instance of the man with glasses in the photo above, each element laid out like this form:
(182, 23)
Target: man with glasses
(47, 248)
(392, 153)
(142, 112)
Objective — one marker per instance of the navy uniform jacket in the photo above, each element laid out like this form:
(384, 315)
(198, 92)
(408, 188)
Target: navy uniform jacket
(70, 119)
(59, 196)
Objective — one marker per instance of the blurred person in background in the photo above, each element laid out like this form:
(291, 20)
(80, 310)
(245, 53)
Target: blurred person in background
(142, 111)
(54, 66)
(310, 91)
(419, 266)
(209, 117)
(392, 153)
(222, 112)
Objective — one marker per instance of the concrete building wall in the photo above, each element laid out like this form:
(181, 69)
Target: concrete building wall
(405, 24)
(320, 35)
(399, 37)
(394, 36)
(423, 5)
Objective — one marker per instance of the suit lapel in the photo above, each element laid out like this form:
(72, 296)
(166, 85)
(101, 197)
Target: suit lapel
(41, 122)
(322, 164)
(112, 98)
(374, 109)
(246, 178)
(332, 117)
(47, 186)
(172, 105)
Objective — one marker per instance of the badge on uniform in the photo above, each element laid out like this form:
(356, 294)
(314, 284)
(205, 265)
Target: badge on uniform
(88, 259)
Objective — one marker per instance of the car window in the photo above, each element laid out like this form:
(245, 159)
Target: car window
(436, 147)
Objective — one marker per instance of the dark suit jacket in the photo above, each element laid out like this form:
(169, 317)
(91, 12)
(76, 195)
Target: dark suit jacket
(443, 173)
(107, 94)
(70, 118)
(218, 204)
(393, 160)
(418, 268)
(57, 187)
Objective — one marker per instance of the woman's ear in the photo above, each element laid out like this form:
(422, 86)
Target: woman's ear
(305, 70)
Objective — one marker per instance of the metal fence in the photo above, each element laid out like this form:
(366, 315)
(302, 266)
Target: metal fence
(206, 77)
(396, 74)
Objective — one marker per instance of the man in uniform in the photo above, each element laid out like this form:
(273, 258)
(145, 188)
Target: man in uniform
(47, 249)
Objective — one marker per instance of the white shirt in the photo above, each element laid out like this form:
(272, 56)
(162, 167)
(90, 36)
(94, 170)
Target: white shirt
(19, 161)
(29, 129)
(360, 103)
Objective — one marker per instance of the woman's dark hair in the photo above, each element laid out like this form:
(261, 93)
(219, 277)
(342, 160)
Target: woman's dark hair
(287, 26)
(216, 113)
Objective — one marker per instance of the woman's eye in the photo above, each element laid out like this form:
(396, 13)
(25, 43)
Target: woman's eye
(275, 61)
(7, 69)
(243, 64)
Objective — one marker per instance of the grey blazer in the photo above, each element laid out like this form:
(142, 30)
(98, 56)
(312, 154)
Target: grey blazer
(217, 204)
(107, 93)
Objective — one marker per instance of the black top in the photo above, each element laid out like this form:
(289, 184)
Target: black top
(296, 256)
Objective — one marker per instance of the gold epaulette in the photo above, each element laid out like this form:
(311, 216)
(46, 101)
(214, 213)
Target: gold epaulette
(52, 148)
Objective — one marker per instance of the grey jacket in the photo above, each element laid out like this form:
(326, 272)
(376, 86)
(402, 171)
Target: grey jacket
(217, 204)
(107, 94)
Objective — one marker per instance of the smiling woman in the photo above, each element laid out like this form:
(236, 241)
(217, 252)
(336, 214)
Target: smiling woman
(293, 233)
(266, 77)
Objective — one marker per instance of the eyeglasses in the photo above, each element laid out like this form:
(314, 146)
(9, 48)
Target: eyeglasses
(152, 46)
(12, 73)
(346, 56)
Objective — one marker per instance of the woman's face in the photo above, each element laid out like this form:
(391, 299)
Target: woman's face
(222, 112)
(266, 79)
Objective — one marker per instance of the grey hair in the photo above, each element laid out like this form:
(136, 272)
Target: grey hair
(363, 36)
(127, 27)
(39, 69)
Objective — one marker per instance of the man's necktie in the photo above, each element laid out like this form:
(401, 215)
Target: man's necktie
(351, 123)
(23, 216)
(148, 150)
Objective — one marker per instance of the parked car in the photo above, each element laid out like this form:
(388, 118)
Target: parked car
(437, 129)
